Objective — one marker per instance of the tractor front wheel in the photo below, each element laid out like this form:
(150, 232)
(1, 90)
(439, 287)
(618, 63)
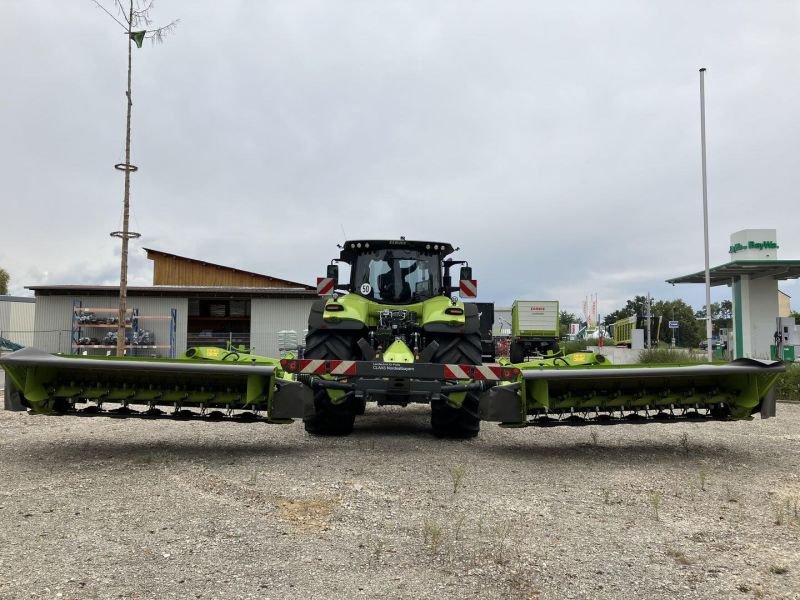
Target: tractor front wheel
(457, 422)
(329, 418)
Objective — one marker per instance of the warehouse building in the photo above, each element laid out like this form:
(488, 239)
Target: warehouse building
(191, 303)
(16, 321)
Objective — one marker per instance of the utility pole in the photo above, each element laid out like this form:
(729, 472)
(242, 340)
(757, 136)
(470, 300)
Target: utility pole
(705, 209)
(137, 14)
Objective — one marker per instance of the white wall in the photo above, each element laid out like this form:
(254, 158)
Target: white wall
(17, 321)
(268, 316)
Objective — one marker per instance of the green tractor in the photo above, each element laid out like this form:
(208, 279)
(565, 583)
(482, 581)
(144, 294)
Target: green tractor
(398, 308)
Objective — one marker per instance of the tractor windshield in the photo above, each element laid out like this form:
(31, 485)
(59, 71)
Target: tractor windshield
(396, 276)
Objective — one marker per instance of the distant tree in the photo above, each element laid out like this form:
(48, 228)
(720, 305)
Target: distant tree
(689, 332)
(4, 279)
(635, 306)
(564, 320)
(796, 316)
(726, 310)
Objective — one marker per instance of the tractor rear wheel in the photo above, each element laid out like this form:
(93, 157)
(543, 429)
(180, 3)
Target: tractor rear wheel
(463, 421)
(329, 418)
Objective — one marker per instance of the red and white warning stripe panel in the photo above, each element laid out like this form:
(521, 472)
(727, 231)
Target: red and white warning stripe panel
(468, 288)
(325, 286)
(342, 367)
(320, 367)
(457, 372)
(481, 372)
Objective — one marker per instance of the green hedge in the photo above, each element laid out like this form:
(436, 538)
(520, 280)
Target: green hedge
(669, 355)
(788, 386)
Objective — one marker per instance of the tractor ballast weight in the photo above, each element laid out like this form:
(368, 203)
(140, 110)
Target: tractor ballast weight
(392, 335)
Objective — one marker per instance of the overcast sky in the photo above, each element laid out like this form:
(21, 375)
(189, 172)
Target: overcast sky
(557, 143)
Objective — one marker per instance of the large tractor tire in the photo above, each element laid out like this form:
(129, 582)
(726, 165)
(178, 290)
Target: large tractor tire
(516, 352)
(464, 421)
(329, 418)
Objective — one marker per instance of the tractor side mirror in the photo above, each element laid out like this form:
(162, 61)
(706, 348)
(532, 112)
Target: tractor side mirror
(333, 273)
(465, 273)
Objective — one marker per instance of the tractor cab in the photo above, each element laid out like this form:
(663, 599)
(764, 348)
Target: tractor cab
(395, 271)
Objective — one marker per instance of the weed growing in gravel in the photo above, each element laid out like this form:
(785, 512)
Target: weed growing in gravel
(457, 475)
(703, 477)
(501, 532)
(253, 478)
(730, 495)
(458, 525)
(684, 444)
(595, 436)
(655, 502)
(679, 556)
(433, 534)
(778, 569)
(788, 513)
(377, 551)
(606, 496)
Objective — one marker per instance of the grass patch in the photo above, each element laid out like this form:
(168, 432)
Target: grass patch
(778, 569)
(684, 444)
(679, 556)
(457, 475)
(788, 513)
(787, 387)
(655, 502)
(667, 355)
(703, 478)
(433, 535)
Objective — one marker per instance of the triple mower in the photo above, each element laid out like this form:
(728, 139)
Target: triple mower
(392, 334)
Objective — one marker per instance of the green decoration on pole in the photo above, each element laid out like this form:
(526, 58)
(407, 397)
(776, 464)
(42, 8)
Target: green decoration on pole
(138, 37)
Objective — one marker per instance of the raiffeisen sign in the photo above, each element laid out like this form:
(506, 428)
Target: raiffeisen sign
(754, 244)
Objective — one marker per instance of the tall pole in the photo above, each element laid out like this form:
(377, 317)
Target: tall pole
(127, 168)
(709, 348)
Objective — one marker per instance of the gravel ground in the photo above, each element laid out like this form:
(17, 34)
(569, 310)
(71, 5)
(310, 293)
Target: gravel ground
(105, 508)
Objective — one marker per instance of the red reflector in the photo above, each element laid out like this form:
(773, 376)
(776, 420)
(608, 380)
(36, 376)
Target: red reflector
(334, 307)
(454, 310)
(289, 365)
(510, 374)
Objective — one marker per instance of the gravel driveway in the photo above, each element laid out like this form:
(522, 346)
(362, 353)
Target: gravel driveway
(105, 508)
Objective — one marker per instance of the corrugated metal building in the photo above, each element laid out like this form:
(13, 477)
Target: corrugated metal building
(17, 319)
(213, 305)
(209, 316)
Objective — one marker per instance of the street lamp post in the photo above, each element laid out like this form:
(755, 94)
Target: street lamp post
(705, 209)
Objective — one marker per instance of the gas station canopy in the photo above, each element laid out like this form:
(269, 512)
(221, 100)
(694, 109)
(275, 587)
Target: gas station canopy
(756, 269)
